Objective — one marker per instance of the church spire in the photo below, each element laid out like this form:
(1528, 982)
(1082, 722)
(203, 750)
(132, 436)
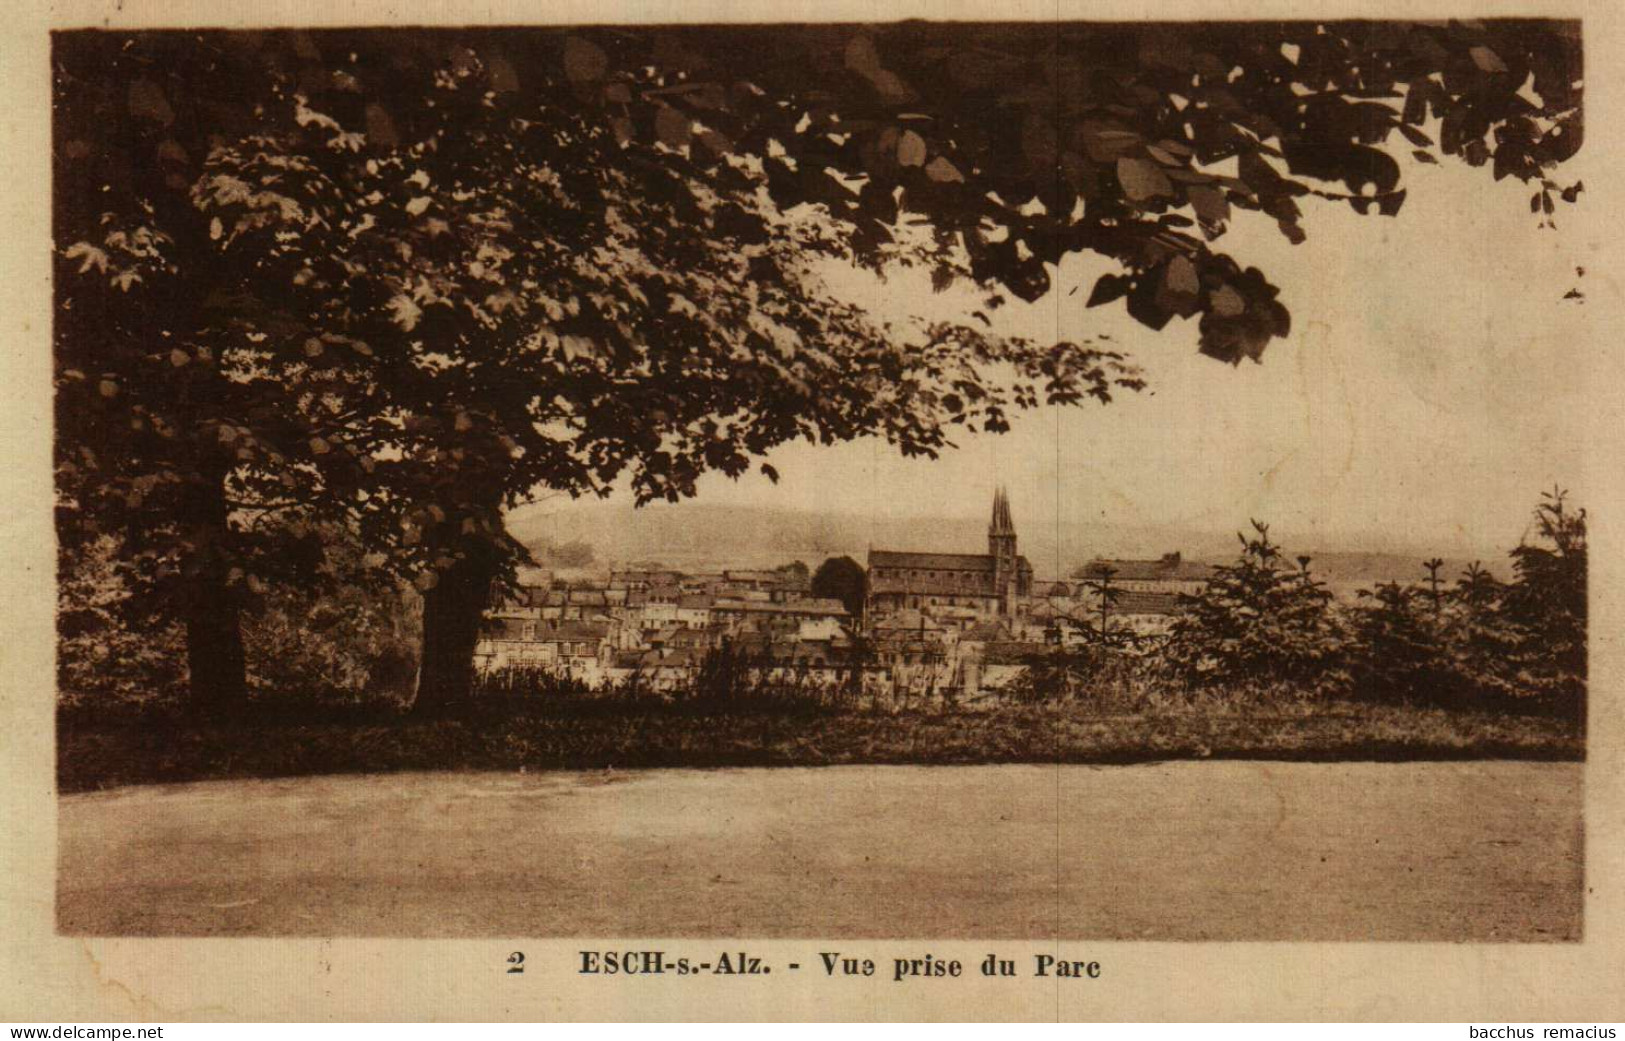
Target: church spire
(1001, 524)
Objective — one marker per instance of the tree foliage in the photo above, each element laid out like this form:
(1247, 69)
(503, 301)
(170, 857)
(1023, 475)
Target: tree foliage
(1476, 642)
(397, 280)
(1022, 143)
(1546, 601)
(843, 579)
(1260, 620)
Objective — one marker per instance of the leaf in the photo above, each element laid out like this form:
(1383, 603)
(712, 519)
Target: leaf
(1227, 302)
(577, 347)
(93, 256)
(1163, 156)
(178, 357)
(319, 446)
(910, 149)
(861, 56)
(943, 172)
(426, 580)
(405, 311)
(1109, 288)
(1105, 143)
(1181, 276)
(716, 141)
(1424, 157)
(584, 61)
(504, 79)
(1039, 143)
(1142, 179)
(1487, 60)
(107, 389)
(1211, 206)
(673, 127)
(1415, 136)
(147, 101)
(380, 127)
(1180, 289)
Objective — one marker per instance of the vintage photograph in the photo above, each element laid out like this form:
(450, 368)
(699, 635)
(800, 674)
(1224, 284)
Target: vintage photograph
(1052, 481)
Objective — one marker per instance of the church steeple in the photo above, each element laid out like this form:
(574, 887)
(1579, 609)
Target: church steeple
(1001, 523)
(1001, 546)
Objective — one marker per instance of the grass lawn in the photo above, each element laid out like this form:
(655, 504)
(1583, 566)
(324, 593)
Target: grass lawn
(632, 735)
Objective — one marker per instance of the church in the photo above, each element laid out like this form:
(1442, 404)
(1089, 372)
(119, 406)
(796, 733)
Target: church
(962, 588)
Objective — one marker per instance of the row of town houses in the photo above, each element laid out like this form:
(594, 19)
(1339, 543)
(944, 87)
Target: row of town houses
(930, 623)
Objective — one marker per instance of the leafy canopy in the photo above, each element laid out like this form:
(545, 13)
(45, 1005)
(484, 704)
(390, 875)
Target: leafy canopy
(408, 276)
(417, 313)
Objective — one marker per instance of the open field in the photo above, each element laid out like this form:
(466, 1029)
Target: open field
(587, 737)
(1171, 851)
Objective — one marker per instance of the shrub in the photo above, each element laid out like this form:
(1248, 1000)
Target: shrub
(110, 654)
(1545, 605)
(1259, 620)
(1399, 649)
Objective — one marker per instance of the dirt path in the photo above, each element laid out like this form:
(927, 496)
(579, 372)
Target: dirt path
(1177, 851)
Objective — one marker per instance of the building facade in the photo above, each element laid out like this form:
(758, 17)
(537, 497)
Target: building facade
(961, 589)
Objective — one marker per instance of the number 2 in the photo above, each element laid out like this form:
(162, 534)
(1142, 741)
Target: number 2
(516, 962)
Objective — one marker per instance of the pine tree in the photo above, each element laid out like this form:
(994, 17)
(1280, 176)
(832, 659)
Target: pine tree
(1546, 604)
(1259, 620)
(1398, 648)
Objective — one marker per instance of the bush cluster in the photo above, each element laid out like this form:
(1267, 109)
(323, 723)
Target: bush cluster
(1266, 624)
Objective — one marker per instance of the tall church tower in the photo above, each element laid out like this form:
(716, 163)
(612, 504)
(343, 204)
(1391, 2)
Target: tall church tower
(1001, 546)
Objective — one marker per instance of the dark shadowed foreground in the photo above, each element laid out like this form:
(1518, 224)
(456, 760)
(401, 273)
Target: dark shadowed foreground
(1173, 851)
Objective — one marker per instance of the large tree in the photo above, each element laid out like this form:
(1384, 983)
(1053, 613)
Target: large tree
(843, 579)
(405, 278)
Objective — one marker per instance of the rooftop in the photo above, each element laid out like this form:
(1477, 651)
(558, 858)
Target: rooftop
(1131, 602)
(937, 561)
(1169, 568)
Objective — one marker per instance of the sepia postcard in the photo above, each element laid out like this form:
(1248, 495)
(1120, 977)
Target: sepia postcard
(875, 511)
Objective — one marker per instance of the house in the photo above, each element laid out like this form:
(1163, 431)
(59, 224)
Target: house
(736, 614)
(694, 611)
(643, 578)
(538, 643)
(655, 670)
(1145, 614)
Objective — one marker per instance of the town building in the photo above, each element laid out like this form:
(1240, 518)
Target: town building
(1170, 573)
(935, 624)
(961, 588)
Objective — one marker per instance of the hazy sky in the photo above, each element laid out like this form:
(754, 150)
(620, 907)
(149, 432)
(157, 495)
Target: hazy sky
(1433, 385)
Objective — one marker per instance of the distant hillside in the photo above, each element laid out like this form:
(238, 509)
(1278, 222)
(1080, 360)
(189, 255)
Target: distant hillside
(696, 536)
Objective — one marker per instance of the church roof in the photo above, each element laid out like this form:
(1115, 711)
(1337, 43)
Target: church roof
(931, 561)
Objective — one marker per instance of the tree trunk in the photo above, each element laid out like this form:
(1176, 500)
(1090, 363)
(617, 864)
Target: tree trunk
(215, 660)
(453, 612)
(214, 649)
